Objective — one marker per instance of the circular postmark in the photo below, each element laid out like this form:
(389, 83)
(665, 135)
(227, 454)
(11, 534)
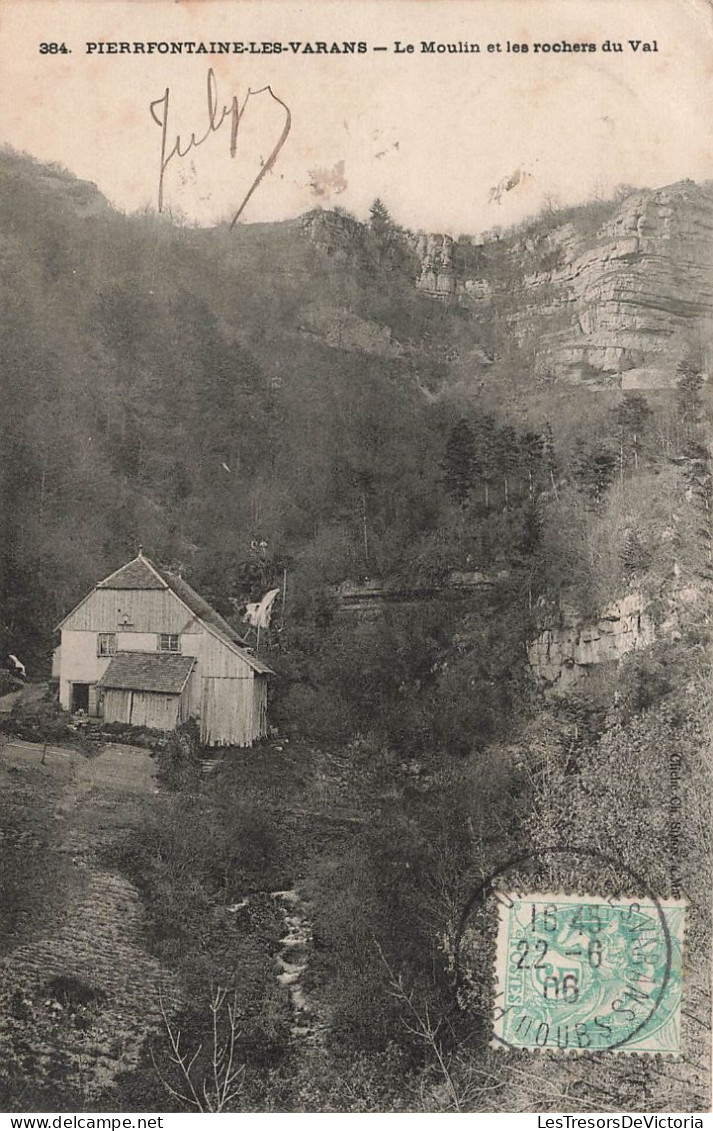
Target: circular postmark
(580, 972)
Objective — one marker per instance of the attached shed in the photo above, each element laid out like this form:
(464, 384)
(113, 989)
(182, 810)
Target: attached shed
(147, 689)
(234, 705)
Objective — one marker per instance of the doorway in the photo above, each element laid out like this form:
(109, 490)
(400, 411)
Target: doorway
(80, 698)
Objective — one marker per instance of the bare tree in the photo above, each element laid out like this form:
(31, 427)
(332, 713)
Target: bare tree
(222, 1079)
(421, 1025)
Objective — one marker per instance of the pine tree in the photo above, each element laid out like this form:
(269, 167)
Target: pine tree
(631, 416)
(532, 455)
(487, 448)
(509, 454)
(634, 555)
(688, 397)
(593, 469)
(379, 218)
(549, 456)
(460, 462)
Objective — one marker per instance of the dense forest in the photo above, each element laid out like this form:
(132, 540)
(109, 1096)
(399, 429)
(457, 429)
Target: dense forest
(176, 389)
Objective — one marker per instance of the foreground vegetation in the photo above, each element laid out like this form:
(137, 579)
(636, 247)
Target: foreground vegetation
(386, 854)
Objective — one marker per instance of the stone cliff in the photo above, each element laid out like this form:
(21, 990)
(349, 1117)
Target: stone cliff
(619, 301)
(611, 293)
(563, 656)
(438, 274)
(341, 329)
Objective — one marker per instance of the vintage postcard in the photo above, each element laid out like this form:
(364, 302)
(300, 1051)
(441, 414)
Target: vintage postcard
(355, 558)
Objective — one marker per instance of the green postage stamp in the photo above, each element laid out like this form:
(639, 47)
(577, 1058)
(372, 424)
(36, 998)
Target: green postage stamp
(588, 974)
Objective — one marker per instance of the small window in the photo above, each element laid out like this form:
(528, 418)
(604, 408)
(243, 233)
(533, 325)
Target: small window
(106, 644)
(169, 642)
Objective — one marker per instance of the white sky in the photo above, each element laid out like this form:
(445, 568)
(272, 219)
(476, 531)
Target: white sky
(429, 134)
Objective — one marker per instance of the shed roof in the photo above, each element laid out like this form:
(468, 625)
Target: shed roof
(148, 671)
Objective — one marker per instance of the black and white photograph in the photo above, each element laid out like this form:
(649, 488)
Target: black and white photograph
(355, 561)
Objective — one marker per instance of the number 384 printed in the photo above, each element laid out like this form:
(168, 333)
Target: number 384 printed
(54, 49)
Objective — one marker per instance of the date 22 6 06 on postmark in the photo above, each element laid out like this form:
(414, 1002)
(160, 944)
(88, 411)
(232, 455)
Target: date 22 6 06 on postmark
(586, 974)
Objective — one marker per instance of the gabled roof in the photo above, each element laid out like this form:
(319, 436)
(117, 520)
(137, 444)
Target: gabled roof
(148, 671)
(141, 573)
(137, 574)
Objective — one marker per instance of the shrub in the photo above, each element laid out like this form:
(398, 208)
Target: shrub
(9, 683)
(645, 678)
(178, 757)
(45, 721)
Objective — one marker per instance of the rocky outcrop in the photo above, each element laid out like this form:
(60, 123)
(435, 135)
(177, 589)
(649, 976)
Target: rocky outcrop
(611, 293)
(642, 290)
(334, 233)
(438, 275)
(561, 657)
(369, 598)
(339, 328)
(618, 300)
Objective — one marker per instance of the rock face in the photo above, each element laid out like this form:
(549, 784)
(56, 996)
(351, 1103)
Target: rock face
(438, 275)
(343, 330)
(617, 300)
(562, 657)
(369, 599)
(637, 295)
(610, 293)
(335, 233)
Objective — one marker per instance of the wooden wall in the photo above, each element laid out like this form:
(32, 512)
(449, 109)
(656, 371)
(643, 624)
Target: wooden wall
(142, 708)
(148, 610)
(233, 711)
(218, 660)
(259, 706)
(117, 706)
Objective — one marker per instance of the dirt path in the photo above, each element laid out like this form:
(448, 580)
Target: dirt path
(77, 989)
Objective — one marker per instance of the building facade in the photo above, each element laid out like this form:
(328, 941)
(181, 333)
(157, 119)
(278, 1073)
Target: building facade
(144, 648)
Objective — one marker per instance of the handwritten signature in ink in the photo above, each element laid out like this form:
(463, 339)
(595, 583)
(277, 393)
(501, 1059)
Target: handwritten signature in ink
(232, 113)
